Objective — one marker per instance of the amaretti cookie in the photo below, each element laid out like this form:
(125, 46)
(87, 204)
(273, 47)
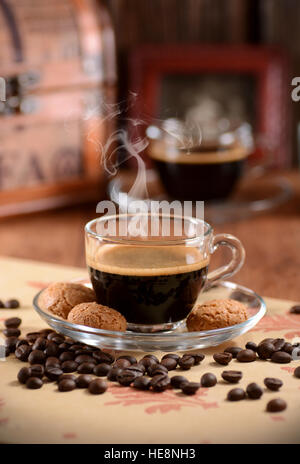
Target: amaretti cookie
(216, 314)
(97, 316)
(59, 298)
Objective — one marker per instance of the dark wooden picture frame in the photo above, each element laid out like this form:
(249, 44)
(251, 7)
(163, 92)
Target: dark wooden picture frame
(268, 65)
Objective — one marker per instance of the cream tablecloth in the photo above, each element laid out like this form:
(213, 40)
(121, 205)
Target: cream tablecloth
(125, 415)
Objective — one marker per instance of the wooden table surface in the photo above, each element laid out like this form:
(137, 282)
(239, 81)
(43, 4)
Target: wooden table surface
(271, 240)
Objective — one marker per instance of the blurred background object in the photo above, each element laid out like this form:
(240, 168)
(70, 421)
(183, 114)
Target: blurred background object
(215, 88)
(58, 60)
(207, 22)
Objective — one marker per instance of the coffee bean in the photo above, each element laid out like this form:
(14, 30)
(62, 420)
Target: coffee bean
(53, 373)
(152, 356)
(66, 385)
(66, 356)
(37, 357)
(141, 367)
(23, 352)
(190, 388)
(234, 350)
(101, 370)
(12, 304)
(24, 374)
(273, 384)
(160, 383)
(251, 346)
(136, 369)
(295, 309)
(177, 381)
(12, 322)
(51, 350)
(83, 380)
(52, 362)
(147, 362)
(281, 357)
(236, 394)
(186, 362)
(171, 355)
(32, 336)
(56, 338)
(122, 363)
(276, 405)
(85, 368)
(80, 352)
(142, 383)
(21, 342)
(222, 358)
(169, 363)
(71, 366)
(246, 356)
(198, 357)
(10, 343)
(208, 380)
(37, 370)
(254, 391)
(279, 344)
(267, 340)
(297, 372)
(40, 344)
(68, 377)
(288, 348)
(113, 373)
(46, 332)
(131, 359)
(101, 357)
(265, 350)
(12, 332)
(232, 376)
(71, 342)
(156, 369)
(74, 348)
(126, 377)
(97, 386)
(84, 358)
(62, 347)
(34, 383)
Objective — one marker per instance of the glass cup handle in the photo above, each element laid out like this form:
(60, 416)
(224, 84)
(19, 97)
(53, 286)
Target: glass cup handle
(237, 260)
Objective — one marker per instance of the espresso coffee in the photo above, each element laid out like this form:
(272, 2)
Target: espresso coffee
(148, 284)
(197, 174)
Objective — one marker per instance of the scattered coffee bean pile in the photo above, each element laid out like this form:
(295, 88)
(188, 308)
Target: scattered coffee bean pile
(54, 357)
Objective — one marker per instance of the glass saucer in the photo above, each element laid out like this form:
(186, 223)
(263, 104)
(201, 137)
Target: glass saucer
(177, 340)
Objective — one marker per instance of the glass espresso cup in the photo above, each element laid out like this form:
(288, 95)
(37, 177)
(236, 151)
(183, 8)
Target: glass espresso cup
(154, 279)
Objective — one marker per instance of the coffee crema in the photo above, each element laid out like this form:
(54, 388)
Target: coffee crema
(148, 284)
(197, 155)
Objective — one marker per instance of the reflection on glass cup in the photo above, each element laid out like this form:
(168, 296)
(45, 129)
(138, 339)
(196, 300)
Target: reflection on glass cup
(154, 281)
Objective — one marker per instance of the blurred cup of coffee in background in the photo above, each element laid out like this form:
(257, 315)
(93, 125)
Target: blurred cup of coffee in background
(197, 165)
